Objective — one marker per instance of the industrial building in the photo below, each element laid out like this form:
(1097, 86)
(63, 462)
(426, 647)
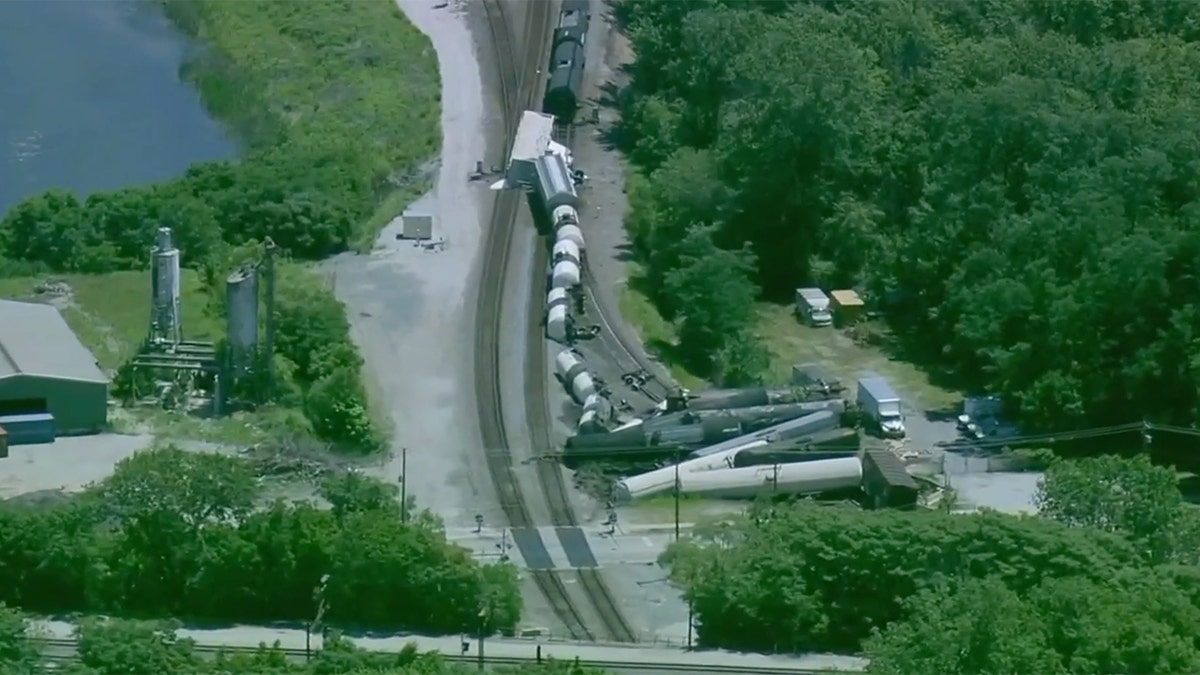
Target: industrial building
(49, 382)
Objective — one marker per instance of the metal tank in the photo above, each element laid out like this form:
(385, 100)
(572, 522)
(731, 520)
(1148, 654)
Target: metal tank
(833, 443)
(821, 420)
(662, 480)
(554, 184)
(614, 442)
(241, 307)
(165, 318)
(573, 234)
(801, 478)
(558, 316)
(567, 265)
(573, 373)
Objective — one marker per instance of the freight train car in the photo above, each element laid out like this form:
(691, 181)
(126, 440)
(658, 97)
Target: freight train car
(567, 61)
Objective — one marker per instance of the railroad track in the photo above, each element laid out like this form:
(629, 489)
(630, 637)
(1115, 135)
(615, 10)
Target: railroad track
(625, 358)
(550, 472)
(64, 651)
(515, 94)
(489, 315)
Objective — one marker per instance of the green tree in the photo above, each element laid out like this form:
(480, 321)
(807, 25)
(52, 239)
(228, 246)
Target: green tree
(1009, 181)
(714, 294)
(979, 627)
(19, 655)
(1127, 496)
(109, 647)
(805, 577)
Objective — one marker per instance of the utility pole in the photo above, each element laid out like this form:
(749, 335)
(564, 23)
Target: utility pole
(270, 355)
(404, 485)
(678, 458)
(483, 616)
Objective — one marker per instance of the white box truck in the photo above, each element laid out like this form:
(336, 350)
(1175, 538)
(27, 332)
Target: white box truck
(813, 306)
(881, 406)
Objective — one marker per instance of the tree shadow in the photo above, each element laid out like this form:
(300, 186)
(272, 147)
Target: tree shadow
(624, 252)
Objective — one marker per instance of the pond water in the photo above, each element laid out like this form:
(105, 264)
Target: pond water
(91, 99)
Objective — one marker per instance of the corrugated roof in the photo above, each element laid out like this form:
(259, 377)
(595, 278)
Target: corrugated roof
(891, 468)
(36, 340)
(846, 297)
(533, 136)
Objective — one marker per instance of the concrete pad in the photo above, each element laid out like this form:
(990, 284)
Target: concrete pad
(412, 309)
(68, 464)
(1005, 492)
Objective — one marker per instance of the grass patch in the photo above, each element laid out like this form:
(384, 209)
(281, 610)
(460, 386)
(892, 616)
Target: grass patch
(789, 342)
(657, 333)
(326, 70)
(241, 429)
(661, 509)
(110, 313)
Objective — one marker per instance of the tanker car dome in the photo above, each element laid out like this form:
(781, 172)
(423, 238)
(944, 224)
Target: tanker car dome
(565, 212)
(571, 233)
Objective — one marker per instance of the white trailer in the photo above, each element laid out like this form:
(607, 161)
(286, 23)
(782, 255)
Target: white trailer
(813, 306)
(881, 406)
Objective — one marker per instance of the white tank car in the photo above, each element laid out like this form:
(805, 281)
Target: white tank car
(589, 423)
(571, 233)
(572, 372)
(567, 269)
(801, 478)
(558, 316)
(662, 480)
(563, 215)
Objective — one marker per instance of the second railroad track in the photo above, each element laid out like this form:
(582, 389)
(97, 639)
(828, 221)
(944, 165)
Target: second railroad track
(517, 79)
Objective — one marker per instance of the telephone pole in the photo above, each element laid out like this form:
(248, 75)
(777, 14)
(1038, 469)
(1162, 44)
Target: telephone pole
(404, 485)
(678, 458)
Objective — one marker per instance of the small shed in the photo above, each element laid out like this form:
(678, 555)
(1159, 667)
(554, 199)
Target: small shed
(417, 220)
(847, 306)
(886, 480)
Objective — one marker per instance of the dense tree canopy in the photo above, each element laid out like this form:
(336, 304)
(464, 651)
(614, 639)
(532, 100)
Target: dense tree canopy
(1103, 581)
(176, 533)
(1013, 181)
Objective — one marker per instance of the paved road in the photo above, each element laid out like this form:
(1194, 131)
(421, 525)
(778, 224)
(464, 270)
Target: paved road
(624, 659)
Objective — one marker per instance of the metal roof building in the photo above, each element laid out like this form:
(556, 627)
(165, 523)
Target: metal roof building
(45, 369)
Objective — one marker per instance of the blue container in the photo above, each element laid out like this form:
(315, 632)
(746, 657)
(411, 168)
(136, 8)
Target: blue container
(29, 429)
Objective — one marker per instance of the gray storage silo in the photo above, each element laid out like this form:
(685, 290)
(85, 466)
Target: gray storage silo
(241, 306)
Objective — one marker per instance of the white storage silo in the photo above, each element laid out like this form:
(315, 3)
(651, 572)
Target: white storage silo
(166, 320)
(558, 317)
(241, 300)
(573, 373)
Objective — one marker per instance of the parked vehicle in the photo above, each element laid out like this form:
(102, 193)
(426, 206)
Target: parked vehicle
(881, 406)
(813, 306)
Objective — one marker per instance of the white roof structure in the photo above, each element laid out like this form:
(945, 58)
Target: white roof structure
(535, 138)
(35, 340)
